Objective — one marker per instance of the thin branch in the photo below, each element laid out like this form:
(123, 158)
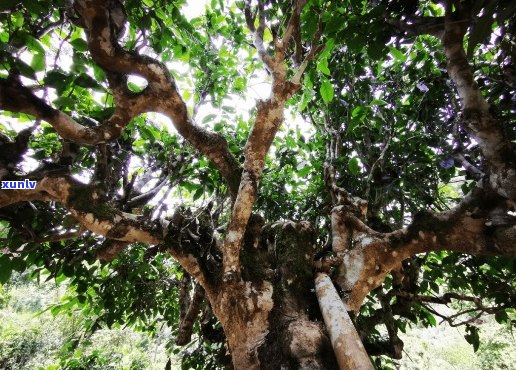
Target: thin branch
(58, 237)
(378, 161)
(145, 197)
(478, 174)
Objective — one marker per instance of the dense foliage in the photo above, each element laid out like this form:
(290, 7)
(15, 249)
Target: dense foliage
(376, 105)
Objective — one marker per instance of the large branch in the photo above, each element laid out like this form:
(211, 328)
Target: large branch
(347, 346)
(160, 95)
(85, 203)
(269, 117)
(479, 225)
(487, 130)
(105, 50)
(17, 98)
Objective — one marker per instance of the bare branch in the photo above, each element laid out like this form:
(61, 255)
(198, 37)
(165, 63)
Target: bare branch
(340, 196)
(145, 197)
(186, 327)
(269, 117)
(468, 166)
(293, 26)
(346, 343)
(58, 237)
(17, 98)
(258, 39)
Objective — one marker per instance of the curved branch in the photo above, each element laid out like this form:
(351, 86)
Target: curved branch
(415, 26)
(269, 117)
(476, 115)
(487, 130)
(17, 98)
(163, 96)
(85, 204)
(472, 227)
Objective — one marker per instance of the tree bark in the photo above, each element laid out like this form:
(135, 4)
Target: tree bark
(271, 319)
(348, 347)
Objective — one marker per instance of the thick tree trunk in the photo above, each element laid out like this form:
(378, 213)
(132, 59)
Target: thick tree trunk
(271, 318)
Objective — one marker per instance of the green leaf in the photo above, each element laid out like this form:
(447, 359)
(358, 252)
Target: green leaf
(68, 270)
(219, 126)
(378, 102)
(267, 35)
(330, 44)
(60, 278)
(18, 264)
(501, 317)
(354, 166)
(240, 84)
(33, 44)
(86, 81)
(198, 193)
(334, 25)
(98, 73)
(133, 87)
(34, 7)
(398, 54)
(55, 78)
(79, 45)
(209, 118)
(38, 62)
(356, 42)
(326, 90)
(322, 67)
(472, 336)
(5, 269)
(430, 318)
(147, 133)
(305, 170)
(358, 111)
(25, 69)
(64, 102)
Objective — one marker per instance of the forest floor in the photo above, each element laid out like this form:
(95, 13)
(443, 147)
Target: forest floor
(32, 338)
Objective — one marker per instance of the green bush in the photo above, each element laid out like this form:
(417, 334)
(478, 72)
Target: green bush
(97, 360)
(17, 348)
(4, 296)
(496, 351)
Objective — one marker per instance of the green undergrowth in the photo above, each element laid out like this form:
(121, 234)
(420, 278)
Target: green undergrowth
(444, 348)
(32, 338)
